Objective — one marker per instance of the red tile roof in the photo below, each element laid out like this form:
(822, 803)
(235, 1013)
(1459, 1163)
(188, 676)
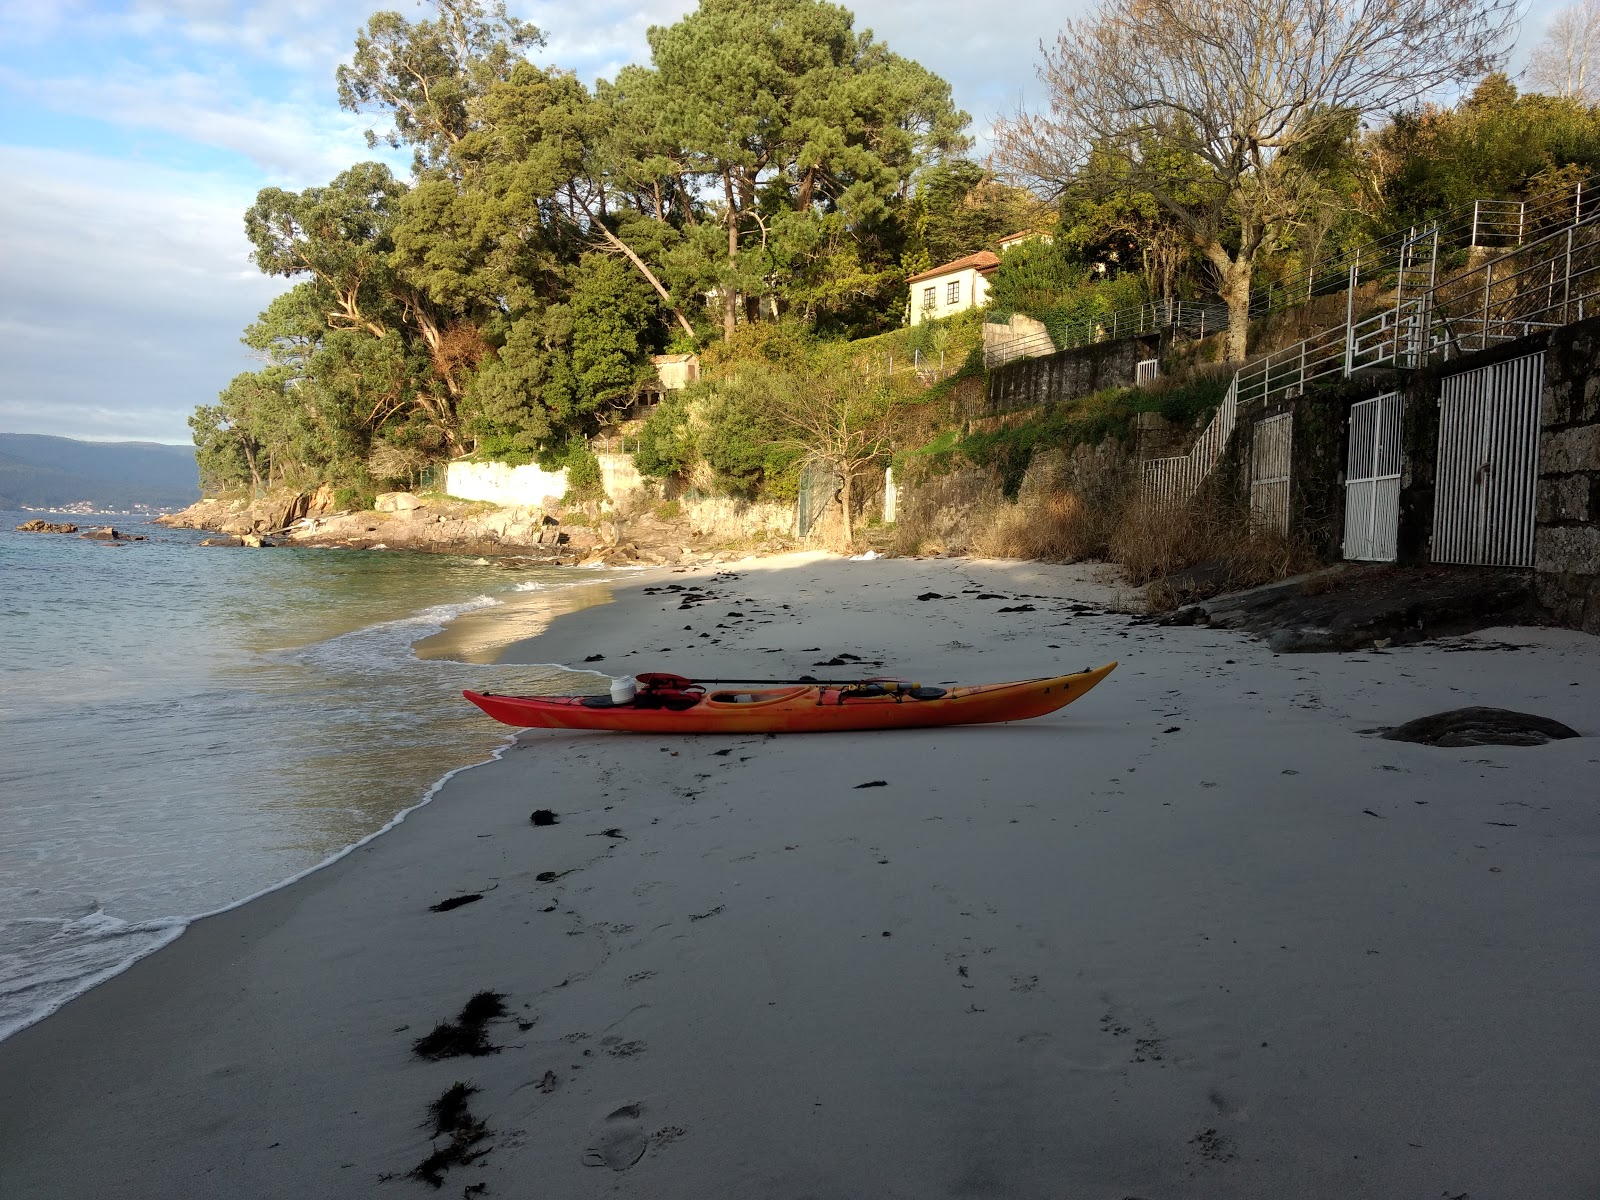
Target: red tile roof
(984, 261)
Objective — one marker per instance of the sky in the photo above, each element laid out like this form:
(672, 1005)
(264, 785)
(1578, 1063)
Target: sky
(134, 135)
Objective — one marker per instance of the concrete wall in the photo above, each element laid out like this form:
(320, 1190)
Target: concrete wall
(1068, 374)
(729, 518)
(1034, 335)
(529, 486)
(618, 475)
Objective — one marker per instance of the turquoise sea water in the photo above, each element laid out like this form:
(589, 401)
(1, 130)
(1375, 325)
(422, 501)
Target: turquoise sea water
(184, 727)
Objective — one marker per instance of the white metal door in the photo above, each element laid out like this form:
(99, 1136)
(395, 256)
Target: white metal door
(1488, 464)
(1270, 448)
(1372, 480)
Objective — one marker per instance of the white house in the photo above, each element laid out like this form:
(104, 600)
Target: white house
(947, 290)
(1026, 235)
(676, 371)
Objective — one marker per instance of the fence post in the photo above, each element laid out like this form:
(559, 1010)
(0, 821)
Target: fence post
(1577, 204)
(1522, 220)
(1566, 282)
(1474, 241)
(1349, 319)
(1488, 276)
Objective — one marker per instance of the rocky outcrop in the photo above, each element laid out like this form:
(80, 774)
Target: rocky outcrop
(45, 527)
(641, 530)
(1353, 607)
(107, 534)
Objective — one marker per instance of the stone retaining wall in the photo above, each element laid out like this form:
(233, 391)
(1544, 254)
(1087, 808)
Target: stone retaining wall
(1566, 547)
(1068, 374)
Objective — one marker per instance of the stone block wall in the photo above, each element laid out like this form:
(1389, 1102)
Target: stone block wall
(1068, 374)
(1566, 547)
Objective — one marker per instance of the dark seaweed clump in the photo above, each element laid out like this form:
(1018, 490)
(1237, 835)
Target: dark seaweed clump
(455, 902)
(466, 1035)
(453, 1119)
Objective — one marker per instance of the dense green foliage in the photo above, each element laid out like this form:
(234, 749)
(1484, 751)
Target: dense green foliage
(757, 192)
(1009, 448)
(769, 159)
(1496, 145)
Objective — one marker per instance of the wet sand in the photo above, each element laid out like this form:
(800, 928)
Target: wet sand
(1196, 935)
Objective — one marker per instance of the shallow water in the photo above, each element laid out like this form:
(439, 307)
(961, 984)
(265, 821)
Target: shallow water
(187, 727)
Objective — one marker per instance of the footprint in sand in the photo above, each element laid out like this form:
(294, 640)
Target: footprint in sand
(618, 1141)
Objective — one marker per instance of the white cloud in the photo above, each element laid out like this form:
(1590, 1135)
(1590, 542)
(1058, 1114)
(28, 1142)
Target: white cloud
(127, 288)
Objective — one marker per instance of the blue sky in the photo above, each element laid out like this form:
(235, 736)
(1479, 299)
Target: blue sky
(135, 134)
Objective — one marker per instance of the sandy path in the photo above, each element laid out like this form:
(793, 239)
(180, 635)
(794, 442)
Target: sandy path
(1194, 936)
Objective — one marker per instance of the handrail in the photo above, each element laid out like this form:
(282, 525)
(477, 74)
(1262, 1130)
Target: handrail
(1543, 284)
(1156, 316)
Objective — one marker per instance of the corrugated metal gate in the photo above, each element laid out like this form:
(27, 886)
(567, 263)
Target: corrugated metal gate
(1488, 464)
(1372, 480)
(1271, 442)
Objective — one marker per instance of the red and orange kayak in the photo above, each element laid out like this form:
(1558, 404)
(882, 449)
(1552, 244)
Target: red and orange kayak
(673, 704)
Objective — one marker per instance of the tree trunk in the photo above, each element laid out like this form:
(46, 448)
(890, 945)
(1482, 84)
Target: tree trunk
(730, 299)
(649, 275)
(1234, 274)
(844, 504)
(250, 458)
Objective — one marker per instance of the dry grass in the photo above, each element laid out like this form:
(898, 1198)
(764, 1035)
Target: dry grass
(1059, 527)
(1188, 552)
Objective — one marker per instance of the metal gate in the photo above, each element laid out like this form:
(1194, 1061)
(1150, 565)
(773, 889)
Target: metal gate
(817, 481)
(1488, 464)
(1270, 446)
(1372, 480)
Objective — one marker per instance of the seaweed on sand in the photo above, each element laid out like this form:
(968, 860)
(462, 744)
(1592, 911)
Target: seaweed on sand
(451, 1118)
(466, 1034)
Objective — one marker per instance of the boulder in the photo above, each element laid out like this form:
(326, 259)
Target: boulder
(221, 541)
(280, 519)
(1480, 727)
(397, 502)
(321, 502)
(107, 534)
(45, 527)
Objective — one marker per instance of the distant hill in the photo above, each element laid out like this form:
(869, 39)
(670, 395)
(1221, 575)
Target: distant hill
(54, 472)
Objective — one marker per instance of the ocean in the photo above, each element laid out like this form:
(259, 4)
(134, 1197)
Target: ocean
(187, 727)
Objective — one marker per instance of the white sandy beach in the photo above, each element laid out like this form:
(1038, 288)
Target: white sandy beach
(1194, 936)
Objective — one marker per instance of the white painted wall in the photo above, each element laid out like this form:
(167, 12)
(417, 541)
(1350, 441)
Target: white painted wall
(530, 486)
(972, 292)
(618, 475)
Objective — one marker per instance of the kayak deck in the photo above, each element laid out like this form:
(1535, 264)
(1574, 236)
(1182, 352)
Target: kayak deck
(798, 708)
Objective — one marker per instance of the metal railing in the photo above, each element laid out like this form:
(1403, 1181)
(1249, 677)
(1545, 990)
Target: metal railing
(1542, 284)
(1167, 480)
(1158, 316)
(1493, 224)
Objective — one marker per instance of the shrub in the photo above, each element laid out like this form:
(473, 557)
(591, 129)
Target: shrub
(584, 480)
(666, 441)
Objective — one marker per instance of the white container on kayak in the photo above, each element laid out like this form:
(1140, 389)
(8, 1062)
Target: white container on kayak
(623, 689)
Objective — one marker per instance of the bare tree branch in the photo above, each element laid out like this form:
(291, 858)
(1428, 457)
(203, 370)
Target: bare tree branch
(1232, 91)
